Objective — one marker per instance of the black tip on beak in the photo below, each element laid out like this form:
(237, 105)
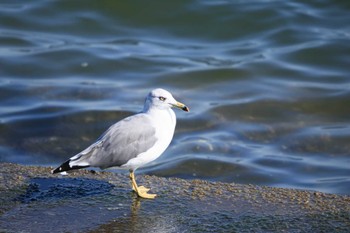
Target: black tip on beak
(186, 109)
(181, 106)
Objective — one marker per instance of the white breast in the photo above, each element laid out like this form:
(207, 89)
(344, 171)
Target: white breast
(164, 121)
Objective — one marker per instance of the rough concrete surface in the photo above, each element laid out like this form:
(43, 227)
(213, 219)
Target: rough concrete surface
(34, 200)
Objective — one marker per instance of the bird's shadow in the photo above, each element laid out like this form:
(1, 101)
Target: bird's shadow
(54, 189)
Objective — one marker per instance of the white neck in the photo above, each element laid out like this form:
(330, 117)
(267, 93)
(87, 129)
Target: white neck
(162, 115)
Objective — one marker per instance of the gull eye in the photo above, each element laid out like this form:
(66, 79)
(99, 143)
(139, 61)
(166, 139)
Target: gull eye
(161, 98)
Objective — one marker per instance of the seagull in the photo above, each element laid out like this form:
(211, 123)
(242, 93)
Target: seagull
(133, 141)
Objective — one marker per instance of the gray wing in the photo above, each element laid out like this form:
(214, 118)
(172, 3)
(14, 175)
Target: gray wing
(121, 142)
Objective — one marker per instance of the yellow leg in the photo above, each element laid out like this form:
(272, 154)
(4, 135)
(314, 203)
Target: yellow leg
(141, 191)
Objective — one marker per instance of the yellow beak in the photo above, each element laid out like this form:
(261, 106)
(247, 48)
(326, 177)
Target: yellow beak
(181, 106)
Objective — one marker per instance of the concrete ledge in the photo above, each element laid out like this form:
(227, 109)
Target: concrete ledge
(33, 200)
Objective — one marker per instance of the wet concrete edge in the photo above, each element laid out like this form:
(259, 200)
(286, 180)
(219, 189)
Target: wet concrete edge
(199, 199)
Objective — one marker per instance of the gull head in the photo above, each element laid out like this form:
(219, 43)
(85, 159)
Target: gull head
(162, 99)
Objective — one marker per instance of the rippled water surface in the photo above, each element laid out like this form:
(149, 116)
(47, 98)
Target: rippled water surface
(267, 82)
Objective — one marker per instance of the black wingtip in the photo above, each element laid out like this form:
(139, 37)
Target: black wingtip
(66, 167)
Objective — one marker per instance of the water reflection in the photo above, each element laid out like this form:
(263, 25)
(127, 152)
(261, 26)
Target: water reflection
(142, 218)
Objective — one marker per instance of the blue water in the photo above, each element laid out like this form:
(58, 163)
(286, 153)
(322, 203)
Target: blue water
(267, 83)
